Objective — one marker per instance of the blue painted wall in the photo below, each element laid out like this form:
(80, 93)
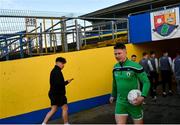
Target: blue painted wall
(140, 28)
(37, 117)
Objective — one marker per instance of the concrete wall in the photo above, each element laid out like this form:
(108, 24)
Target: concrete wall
(24, 83)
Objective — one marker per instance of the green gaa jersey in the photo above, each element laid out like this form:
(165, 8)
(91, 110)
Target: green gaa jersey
(126, 76)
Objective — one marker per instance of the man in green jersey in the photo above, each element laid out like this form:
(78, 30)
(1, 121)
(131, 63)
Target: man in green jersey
(126, 75)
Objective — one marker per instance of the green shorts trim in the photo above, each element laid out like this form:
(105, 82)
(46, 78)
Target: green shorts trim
(136, 112)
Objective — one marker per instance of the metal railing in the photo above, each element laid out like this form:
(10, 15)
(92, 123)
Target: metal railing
(29, 35)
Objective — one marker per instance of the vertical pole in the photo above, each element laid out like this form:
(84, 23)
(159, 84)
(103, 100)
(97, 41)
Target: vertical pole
(54, 41)
(45, 40)
(50, 40)
(27, 36)
(29, 46)
(84, 33)
(115, 27)
(15, 44)
(151, 7)
(73, 36)
(128, 28)
(64, 36)
(6, 49)
(40, 40)
(99, 32)
(51, 37)
(80, 36)
(77, 36)
(60, 30)
(36, 38)
(21, 47)
(112, 27)
(1, 49)
(10, 46)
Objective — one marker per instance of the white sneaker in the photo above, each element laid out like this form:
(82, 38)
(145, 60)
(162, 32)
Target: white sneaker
(43, 123)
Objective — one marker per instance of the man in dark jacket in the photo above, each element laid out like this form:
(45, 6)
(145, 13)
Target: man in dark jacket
(154, 73)
(165, 65)
(57, 92)
(176, 69)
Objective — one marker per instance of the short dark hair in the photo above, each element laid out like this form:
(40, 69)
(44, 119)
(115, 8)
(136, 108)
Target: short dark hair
(119, 46)
(152, 52)
(165, 51)
(144, 53)
(133, 56)
(61, 59)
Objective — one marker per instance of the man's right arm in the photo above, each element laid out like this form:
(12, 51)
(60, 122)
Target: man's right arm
(114, 91)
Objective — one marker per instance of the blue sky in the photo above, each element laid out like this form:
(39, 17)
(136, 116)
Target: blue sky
(67, 6)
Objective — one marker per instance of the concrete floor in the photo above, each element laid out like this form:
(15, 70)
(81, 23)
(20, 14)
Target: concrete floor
(164, 110)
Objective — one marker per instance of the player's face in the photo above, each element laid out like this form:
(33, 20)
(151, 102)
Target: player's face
(60, 64)
(120, 55)
(153, 55)
(146, 56)
(166, 54)
(133, 59)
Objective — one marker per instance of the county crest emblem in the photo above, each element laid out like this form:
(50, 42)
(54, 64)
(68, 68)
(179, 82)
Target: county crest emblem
(165, 22)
